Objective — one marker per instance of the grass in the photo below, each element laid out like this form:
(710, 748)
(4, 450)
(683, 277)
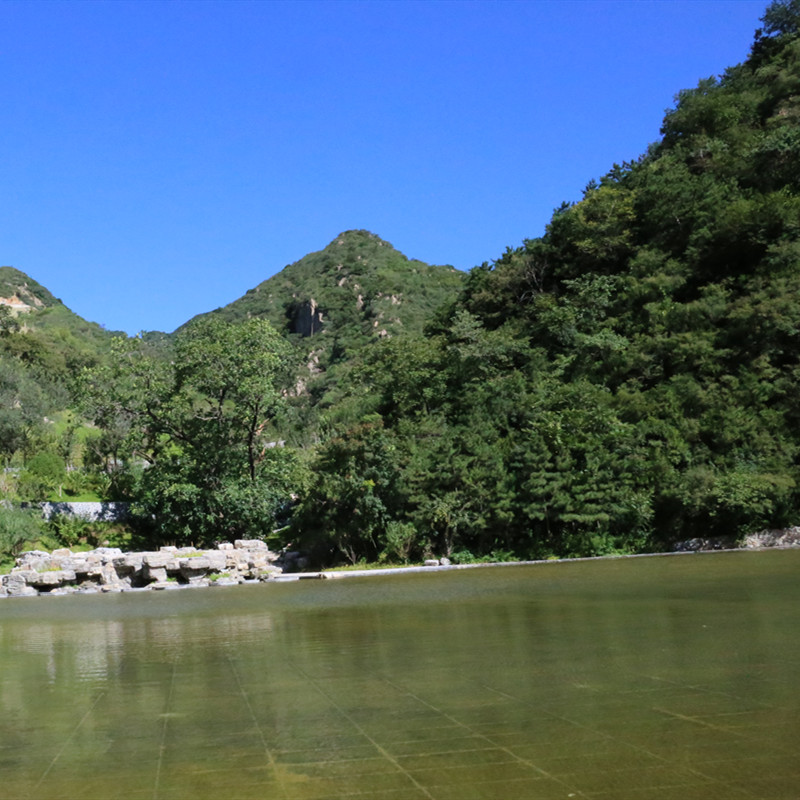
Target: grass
(375, 565)
(83, 497)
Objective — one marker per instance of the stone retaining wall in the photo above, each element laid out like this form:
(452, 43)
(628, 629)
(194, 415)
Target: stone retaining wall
(93, 512)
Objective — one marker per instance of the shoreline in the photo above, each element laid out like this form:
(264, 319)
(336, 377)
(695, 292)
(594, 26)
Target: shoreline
(109, 570)
(363, 573)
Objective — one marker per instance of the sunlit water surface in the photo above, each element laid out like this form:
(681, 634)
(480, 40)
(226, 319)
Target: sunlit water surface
(643, 678)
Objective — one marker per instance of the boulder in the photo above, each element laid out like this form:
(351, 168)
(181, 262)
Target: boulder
(250, 544)
(198, 563)
(225, 580)
(217, 560)
(64, 590)
(16, 584)
(108, 576)
(107, 553)
(194, 569)
(50, 578)
(108, 569)
(157, 559)
(33, 559)
(155, 574)
(128, 564)
(269, 573)
(237, 560)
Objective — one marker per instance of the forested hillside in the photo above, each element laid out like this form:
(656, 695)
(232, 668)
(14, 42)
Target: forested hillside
(333, 306)
(626, 380)
(43, 346)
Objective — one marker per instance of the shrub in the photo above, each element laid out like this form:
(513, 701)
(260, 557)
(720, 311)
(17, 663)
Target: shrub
(17, 528)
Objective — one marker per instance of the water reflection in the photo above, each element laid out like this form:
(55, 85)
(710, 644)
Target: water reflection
(647, 678)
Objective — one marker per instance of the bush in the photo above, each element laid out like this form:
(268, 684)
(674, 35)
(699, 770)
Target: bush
(43, 474)
(17, 528)
(400, 540)
(69, 530)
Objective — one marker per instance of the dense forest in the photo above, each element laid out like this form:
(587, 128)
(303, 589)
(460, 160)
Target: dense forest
(626, 380)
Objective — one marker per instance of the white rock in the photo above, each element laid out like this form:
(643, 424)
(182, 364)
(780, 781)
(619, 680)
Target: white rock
(250, 544)
(156, 559)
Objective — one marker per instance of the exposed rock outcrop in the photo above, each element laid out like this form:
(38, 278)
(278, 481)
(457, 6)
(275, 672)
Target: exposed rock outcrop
(307, 319)
(785, 537)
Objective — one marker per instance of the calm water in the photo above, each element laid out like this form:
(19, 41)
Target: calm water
(645, 678)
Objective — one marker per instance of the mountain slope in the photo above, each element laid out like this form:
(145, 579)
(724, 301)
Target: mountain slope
(355, 289)
(21, 293)
(627, 380)
(38, 330)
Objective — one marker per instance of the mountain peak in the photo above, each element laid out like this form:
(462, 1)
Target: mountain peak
(355, 290)
(22, 293)
(359, 236)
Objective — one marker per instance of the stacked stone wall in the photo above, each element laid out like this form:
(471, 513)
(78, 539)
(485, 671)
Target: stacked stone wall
(109, 569)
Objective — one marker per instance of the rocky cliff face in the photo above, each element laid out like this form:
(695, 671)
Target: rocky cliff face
(21, 293)
(19, 306)
(307, 318)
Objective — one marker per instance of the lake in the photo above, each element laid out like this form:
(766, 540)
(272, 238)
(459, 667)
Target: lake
(663, 677)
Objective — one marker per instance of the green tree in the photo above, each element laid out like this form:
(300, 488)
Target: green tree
(17, 528)
(43, 475)
(353, 498)
(204, 427)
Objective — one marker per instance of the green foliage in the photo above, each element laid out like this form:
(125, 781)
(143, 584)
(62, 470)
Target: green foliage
(782, 18)
(76, 533)
(43, 474)
(628, 379)
(18, 528)
(8, 322)
(335, 305)
(358, 285)
(350, 503)
(203, 425)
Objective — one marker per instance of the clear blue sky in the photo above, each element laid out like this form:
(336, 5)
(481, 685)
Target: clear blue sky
(158, 159)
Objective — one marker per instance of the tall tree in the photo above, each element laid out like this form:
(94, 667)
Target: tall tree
(203, 425)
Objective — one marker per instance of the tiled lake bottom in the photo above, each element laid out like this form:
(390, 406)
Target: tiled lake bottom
(653, 678)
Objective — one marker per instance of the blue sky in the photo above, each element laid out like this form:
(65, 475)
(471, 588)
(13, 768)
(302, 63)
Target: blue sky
(161, 158)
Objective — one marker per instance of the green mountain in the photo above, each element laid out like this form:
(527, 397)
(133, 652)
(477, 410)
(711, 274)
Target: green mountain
(19, 290)
(40, 332)
(627, 380)
(337, 303)
(355, 290)
(43, 348)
